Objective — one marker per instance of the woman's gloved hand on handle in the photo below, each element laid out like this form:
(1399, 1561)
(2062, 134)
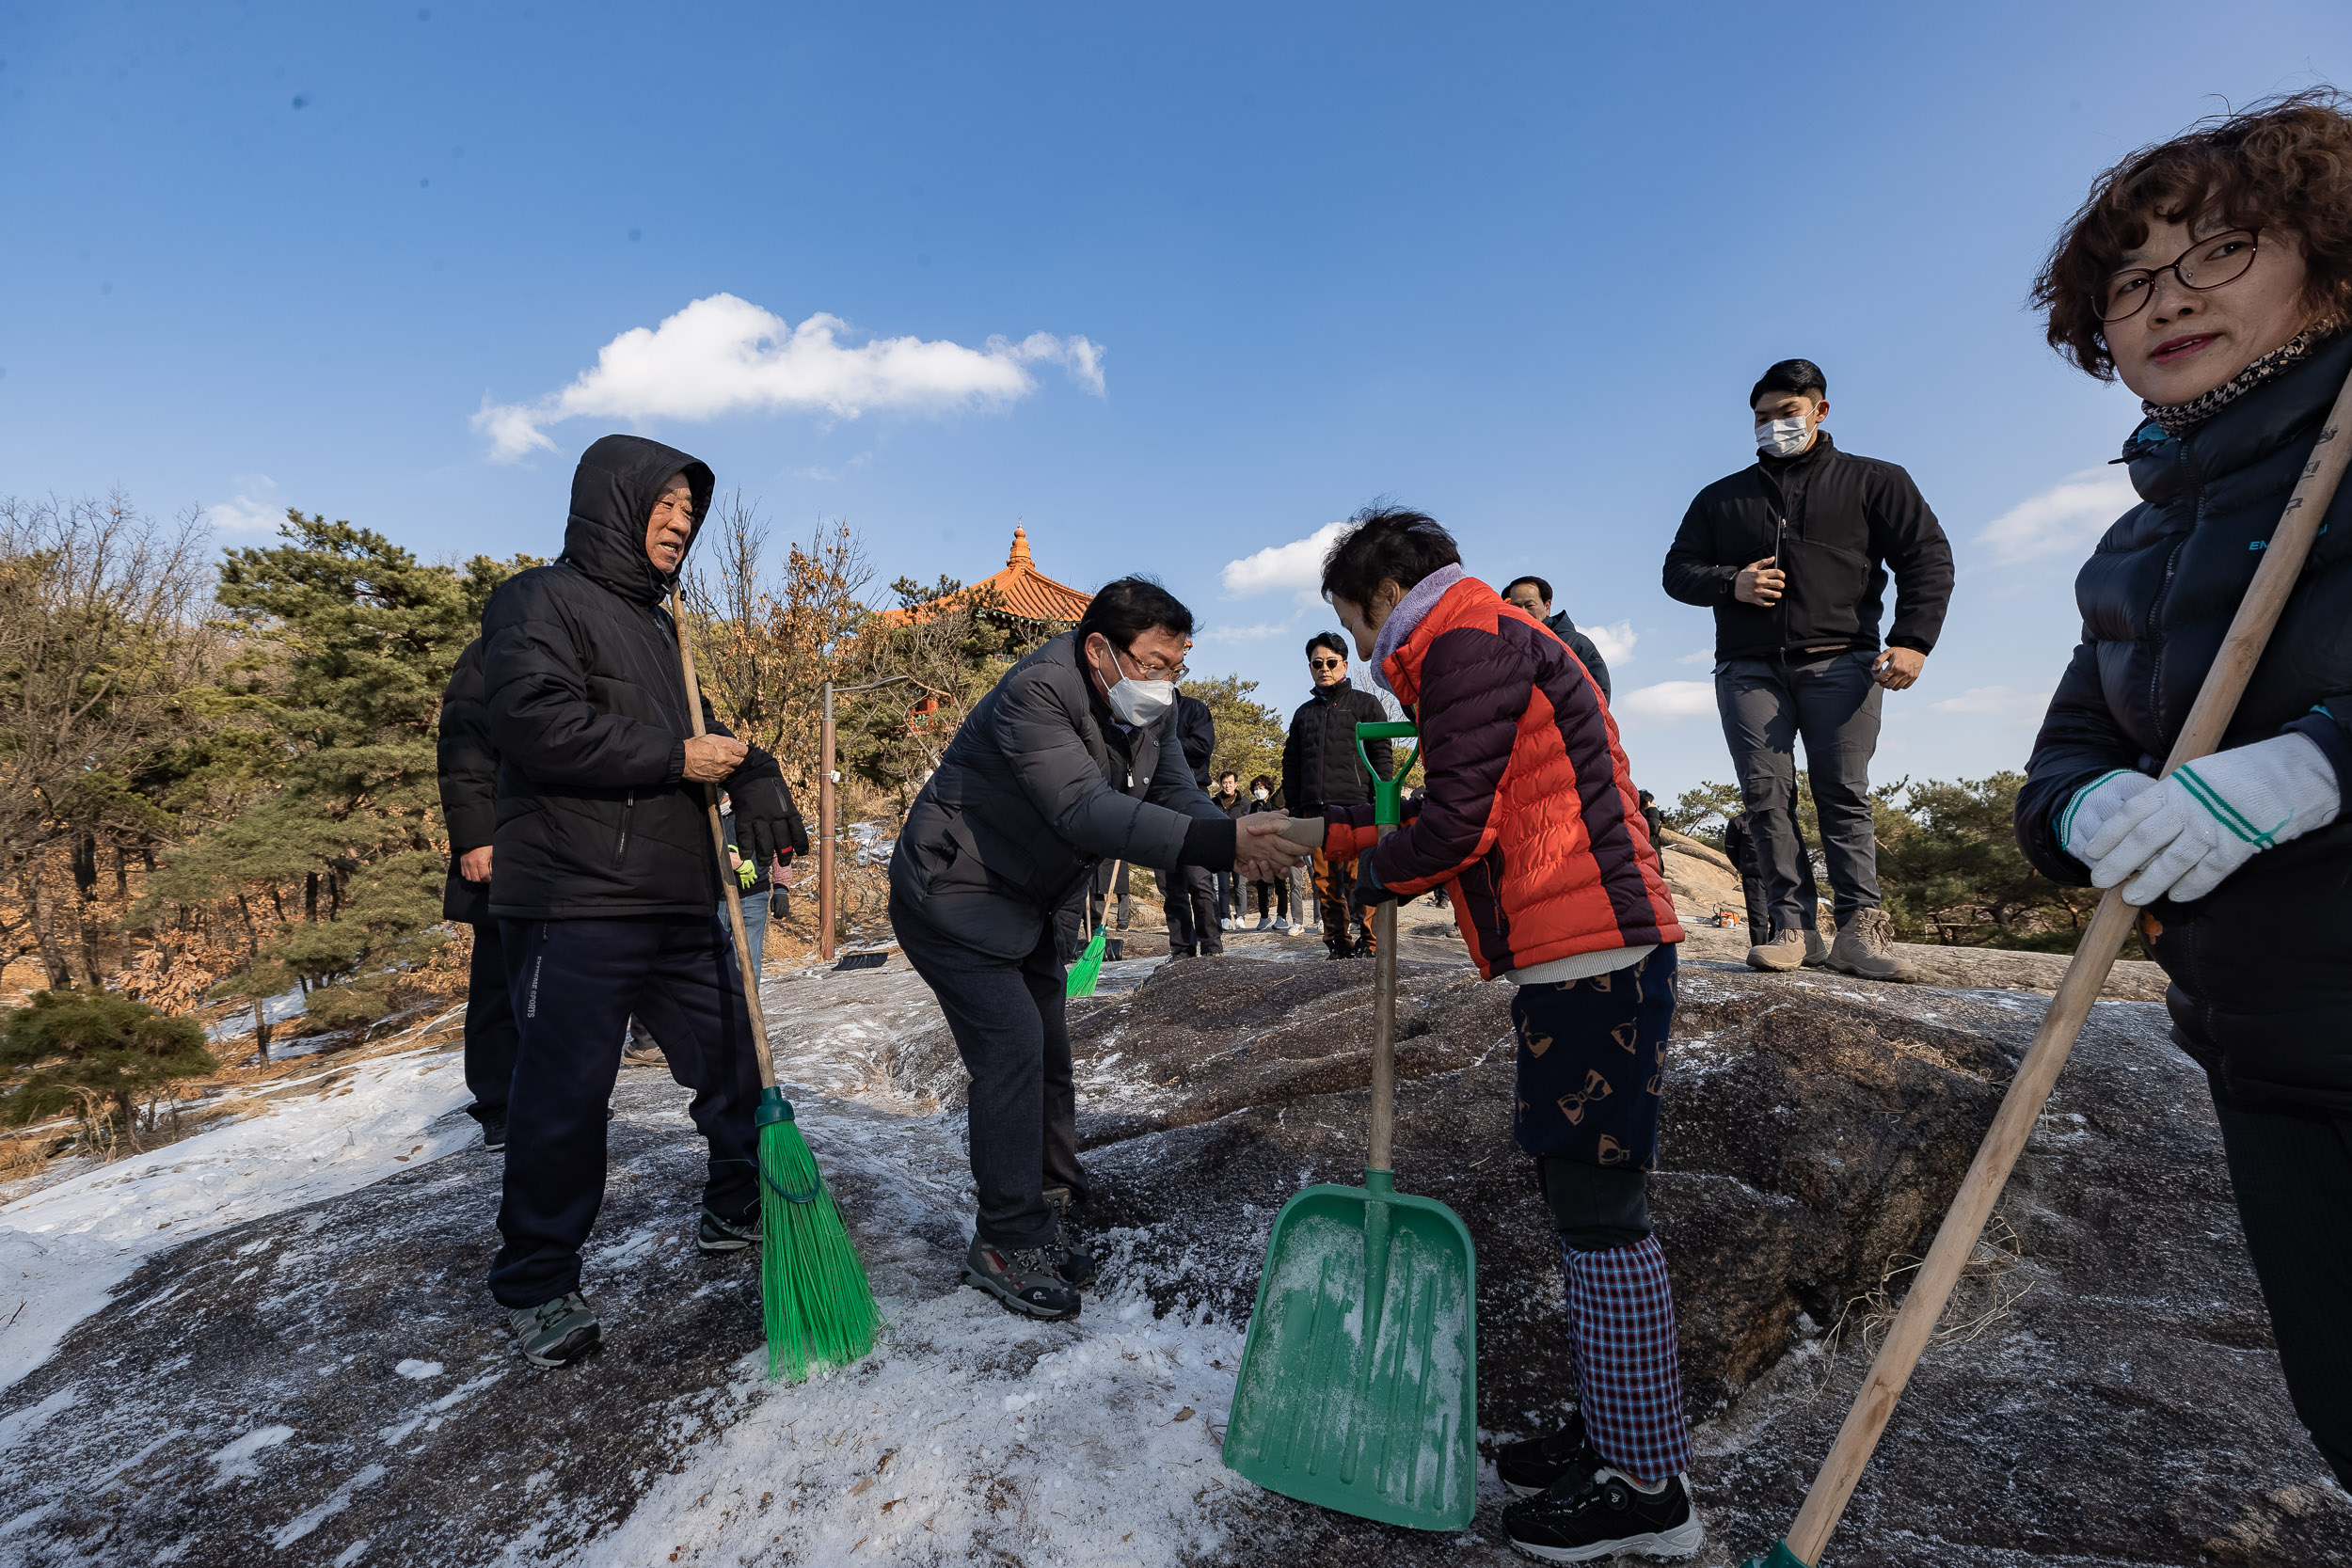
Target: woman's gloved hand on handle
(2179, 838)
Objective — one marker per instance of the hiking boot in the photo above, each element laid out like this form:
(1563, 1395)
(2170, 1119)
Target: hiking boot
(1600, 1512)
(1364, 946)
(1337, 950)
(1263, 925)
(555, 1333)
(1533, 1465)
(1072, 1262)
(717, 1233)
(1282, 925)
(494, 1133)
(1866, 946)
(1024, 1279)
(1815, 950)
(1784, 951)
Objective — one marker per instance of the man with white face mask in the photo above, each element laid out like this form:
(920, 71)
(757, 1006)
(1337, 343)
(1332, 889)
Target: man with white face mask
(1073, 761)
(1792, 553)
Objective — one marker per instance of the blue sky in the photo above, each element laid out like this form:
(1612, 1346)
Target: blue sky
(1244, 268)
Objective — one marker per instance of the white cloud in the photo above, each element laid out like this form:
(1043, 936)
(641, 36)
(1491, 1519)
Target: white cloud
(1297, 565)
(2067, 518)
(1697, 656)
(255, 508)
(1258, 633)
(2021, 707)
(1615, 641)
(726, 356)
(1668, 701)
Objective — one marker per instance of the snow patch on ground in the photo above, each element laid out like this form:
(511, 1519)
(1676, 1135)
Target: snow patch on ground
(64, 1249)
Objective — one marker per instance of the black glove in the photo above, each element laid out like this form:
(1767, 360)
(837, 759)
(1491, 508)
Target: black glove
(766, 822)
(1369, 888)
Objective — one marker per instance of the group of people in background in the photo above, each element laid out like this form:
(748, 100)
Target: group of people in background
(2213, 275)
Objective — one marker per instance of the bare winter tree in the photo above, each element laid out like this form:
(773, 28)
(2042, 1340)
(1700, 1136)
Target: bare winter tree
(102, 630)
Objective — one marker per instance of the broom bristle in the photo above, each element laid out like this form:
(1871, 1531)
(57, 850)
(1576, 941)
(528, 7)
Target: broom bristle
(819, 1308)
(1087, 971)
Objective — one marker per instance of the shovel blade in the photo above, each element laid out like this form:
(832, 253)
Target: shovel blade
(1359, 1384)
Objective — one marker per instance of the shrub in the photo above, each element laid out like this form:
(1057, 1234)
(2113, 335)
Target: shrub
(73, 1046)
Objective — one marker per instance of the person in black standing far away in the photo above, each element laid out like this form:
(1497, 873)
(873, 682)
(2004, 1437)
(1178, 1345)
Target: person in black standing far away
(606, 876)
(1230, 798)
(1792, 554)
(1187, 896)
(1533, 594)
(1320, 768)
(470, 777)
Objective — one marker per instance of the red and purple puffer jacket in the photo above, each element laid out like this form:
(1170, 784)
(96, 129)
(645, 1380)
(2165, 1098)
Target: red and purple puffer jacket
(1526, 812)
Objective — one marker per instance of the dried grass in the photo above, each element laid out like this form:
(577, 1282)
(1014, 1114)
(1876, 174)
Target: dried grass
(1986, 1293)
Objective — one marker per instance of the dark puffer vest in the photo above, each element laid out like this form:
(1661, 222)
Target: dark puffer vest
(2260, 966)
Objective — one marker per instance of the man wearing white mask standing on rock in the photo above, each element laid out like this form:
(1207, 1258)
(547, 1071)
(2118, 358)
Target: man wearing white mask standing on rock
(1792, 553)
(1071, 761)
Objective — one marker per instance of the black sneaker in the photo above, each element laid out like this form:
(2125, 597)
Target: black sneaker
(1024, 1279)
(555, 1333)
(1072, 1262)
(1531, 1467)
(1587, 1515)
(494, 1135)
(717, 1233)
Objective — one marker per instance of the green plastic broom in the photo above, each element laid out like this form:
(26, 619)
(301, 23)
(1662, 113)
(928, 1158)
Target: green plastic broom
(1087, 971)
(813, 1295)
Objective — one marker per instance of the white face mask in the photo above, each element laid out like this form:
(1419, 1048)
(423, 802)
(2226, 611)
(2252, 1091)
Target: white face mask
(1258, 794)
(1139, 702)
(1781, 437)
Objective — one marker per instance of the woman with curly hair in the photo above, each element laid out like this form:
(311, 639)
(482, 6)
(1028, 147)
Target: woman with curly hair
(2212, 274)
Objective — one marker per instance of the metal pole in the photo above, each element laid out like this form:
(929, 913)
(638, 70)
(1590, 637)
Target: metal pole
(824, 832)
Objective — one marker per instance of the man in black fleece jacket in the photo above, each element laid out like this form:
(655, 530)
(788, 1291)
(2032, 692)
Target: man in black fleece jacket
(605, 876)
(1791, 554)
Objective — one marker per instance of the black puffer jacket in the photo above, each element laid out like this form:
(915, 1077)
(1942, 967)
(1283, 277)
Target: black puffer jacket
(2261, 967)
(1196, 732)
(588, 713)
(1320, 766)
(1041, 784)
(1839, 522)
(1582, 647)
(469, 784)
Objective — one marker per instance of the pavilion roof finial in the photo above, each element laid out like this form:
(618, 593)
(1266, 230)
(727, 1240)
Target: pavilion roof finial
(1020, 556)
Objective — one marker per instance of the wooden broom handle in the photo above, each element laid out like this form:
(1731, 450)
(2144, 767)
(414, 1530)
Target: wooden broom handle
(2037, 1075)
(719, 844)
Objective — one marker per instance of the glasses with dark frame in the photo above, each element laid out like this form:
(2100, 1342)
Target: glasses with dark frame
(2209, 264)
(1327, 664)
(1154, 670)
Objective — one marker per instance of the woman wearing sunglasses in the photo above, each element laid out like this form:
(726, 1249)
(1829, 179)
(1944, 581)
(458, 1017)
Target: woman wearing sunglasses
(2212, 274)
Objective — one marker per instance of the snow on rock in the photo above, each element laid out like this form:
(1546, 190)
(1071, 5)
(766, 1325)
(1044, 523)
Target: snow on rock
(65, 1249)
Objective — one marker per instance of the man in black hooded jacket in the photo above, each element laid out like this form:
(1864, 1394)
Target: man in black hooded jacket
(605, 871)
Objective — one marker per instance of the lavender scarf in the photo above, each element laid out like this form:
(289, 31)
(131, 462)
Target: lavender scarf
(1419, 600)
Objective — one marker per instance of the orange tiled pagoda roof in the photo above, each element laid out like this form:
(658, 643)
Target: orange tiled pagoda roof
(1021, 591)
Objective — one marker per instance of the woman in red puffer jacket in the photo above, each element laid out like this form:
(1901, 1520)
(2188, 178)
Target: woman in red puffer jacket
(1528, 816)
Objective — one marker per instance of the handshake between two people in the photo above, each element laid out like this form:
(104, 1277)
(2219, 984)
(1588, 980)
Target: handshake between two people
(1268, 845)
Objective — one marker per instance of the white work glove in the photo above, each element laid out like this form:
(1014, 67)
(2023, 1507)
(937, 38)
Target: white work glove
(2092, 804)
(2180, 839)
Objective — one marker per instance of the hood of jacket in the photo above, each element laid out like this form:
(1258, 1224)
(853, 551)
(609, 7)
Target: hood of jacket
(614, 491)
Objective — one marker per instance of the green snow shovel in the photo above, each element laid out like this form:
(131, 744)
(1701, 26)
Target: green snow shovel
(1358, 1386)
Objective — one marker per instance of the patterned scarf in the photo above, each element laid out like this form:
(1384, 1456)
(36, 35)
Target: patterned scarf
(2179, 418)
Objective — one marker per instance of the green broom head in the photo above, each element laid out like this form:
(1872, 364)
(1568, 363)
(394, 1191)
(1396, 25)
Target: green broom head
(1781, 1557)
(813, 1294)
(1089, 969)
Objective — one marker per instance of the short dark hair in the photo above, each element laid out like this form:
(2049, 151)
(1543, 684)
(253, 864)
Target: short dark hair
(1263, 779)
(1385, 544)
(1543, 589)
(1800, 376)
(1125, 609)
(1229, 774)
(1330, 639)
(2281, 164)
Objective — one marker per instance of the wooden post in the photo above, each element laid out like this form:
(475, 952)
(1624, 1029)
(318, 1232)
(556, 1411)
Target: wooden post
(824, 832)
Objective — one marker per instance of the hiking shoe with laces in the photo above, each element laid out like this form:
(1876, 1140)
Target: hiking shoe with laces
(1282, 925)
(555, 1333)
(1024, 1279)
(1815, 950)
(717, 1233)
(1072, 1262)
(494, 1135)
(1866, 946)
(1600, 1512)
(1535, 1463)
(1783, 952)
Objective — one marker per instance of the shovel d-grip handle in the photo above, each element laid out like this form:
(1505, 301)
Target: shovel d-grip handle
(1387, 812)
(1388, 795)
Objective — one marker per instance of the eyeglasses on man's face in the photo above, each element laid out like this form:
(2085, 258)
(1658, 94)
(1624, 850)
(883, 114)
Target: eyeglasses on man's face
(2209, 264)
(1152, 670)
(1327, 663)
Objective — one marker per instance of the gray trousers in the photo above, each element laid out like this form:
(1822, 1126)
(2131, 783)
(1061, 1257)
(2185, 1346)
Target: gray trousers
(1833, 704)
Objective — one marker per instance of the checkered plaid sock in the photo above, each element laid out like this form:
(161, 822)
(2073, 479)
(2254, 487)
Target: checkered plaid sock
(1629, 1376)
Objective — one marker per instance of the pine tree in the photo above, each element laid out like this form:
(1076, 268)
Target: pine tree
(92, 1047)
(336, 870)
(1250, 734)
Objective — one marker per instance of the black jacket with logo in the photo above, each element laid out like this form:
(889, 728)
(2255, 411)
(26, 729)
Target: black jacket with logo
(1320, 766)
(587, 711)
(2262, 966)
(1837, 523)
